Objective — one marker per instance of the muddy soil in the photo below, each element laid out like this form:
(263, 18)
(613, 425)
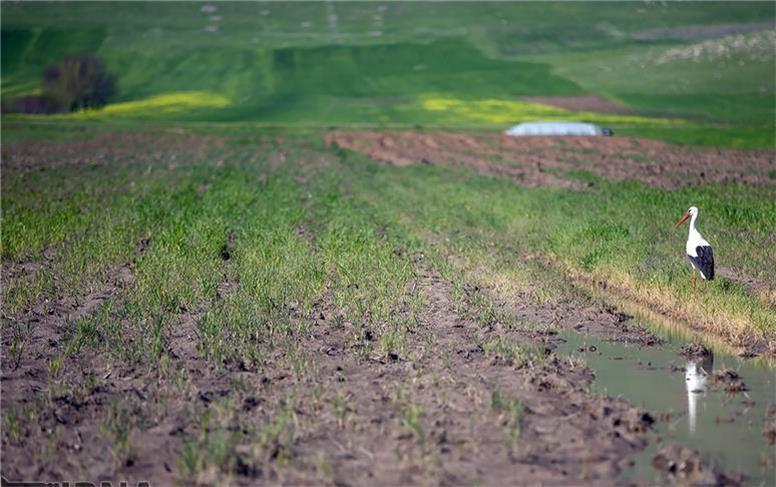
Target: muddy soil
(575, 311)
(769, 431)
(683, 466)
(545, 161)
(563, 433)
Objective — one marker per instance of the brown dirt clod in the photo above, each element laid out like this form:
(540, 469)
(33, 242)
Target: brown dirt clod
(684, 466)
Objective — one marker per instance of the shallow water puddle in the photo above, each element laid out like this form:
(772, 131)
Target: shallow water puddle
(727, 429)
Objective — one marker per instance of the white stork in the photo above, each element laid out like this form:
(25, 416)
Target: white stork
(698, 249)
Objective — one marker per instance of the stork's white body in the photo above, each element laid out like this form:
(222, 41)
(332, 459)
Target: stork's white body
(694, 239)
(698, 250)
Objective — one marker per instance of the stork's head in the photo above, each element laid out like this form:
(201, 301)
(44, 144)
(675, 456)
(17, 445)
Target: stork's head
(691, 211)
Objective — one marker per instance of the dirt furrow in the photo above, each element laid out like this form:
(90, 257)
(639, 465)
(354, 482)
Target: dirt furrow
(43, 334)
(107, 418)
(446, 411)
(107, 149)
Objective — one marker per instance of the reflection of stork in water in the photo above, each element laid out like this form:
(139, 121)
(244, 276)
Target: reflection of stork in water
(695, 376)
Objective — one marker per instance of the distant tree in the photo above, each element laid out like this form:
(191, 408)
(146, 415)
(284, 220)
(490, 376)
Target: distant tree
(78, 81)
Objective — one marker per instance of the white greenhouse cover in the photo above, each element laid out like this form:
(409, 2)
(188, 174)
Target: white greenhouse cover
(555, 128)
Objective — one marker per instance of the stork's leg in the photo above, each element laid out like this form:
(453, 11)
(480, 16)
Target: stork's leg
(703, 284)
(694, 279)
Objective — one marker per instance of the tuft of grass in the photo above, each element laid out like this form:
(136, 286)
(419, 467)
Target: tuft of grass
(12, 424)
(512, 412)
(211, 451)
(412, 421)
(510, 353)
(117, 424)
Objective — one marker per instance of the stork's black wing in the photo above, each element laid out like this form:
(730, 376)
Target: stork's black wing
(704, 261)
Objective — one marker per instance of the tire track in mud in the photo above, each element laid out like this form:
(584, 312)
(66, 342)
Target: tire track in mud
(557, 432)
(572, 311)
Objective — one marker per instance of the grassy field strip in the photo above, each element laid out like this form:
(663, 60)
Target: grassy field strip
(670, 324)
(287, 249)
(85, 246)
(500, 113)
(41, 217)
(734, 325)
(161, 104)
(63, 211)
(741, 136)
(504, 112)
(368, 271)
(438, 113)
(182, 267)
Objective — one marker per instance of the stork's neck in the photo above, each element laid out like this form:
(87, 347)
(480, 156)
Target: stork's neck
(692, 223)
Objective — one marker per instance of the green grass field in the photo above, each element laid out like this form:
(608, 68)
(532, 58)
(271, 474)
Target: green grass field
(620, 231)
(342, 64)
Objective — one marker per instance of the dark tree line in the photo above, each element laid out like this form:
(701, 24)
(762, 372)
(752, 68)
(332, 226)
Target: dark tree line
(75, 82)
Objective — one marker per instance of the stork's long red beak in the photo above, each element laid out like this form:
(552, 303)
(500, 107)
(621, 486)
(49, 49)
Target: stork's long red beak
(684, 218)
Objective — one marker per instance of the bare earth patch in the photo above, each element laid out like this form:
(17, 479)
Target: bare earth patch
(437, 412)
(445, 410)
(544, 161)
(104, 149)
(590, 103)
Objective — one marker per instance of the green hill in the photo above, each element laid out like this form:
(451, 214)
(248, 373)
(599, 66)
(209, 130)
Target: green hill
(370, 63)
